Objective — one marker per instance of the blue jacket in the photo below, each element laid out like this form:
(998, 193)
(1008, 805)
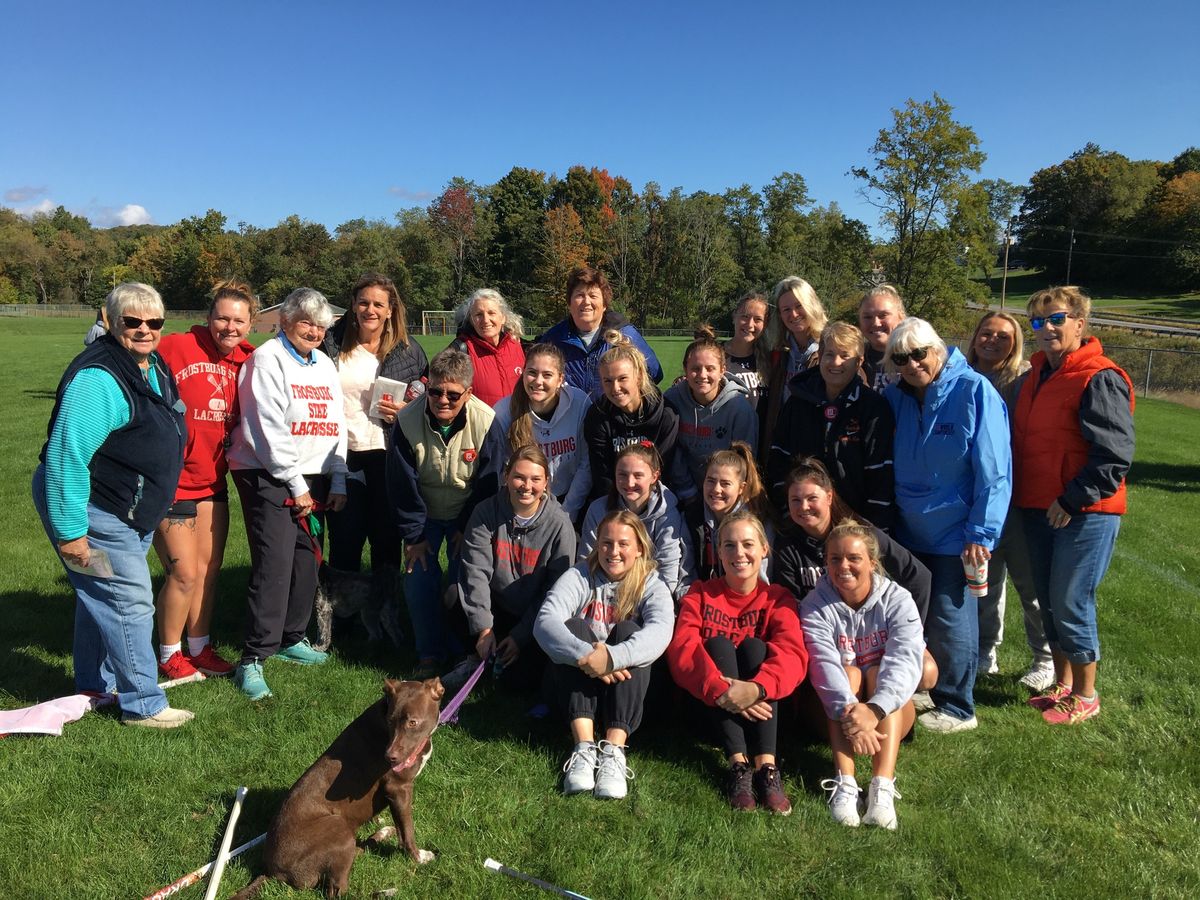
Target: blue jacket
(582, 362)
(953, 461)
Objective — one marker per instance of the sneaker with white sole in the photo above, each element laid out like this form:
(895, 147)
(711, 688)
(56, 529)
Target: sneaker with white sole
(612, 775)
(843, 799)
(922, 702)
(167, 717)
(989, 664)
(944, 723)
(1039, 677)
(249, 679)
(580, 769)
(303, 653)
(881, 808)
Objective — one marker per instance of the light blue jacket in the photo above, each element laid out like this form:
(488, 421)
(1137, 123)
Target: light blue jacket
(953, 461)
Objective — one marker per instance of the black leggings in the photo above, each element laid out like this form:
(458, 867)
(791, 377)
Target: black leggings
(621, 702)
(736, 731)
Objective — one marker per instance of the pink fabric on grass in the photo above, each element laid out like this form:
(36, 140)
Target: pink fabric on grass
(48, 717)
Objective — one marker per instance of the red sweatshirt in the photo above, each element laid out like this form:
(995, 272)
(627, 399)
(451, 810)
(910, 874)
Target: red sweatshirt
(712, 608)
(208, 387)
(497, 369)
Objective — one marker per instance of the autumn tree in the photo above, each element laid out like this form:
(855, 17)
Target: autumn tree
(563, 248)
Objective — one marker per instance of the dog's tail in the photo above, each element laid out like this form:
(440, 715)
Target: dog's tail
(252, 888)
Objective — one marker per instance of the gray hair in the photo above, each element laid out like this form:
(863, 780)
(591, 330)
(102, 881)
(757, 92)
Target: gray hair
(887, 291)
(133, 295)
(908, 336)
(305, 303)
(512, 322)
(452, 365)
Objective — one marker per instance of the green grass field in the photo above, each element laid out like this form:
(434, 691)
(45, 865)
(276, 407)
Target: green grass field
(1182, 307)
(1014, 809)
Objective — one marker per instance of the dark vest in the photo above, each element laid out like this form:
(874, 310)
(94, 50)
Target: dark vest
(136, 470)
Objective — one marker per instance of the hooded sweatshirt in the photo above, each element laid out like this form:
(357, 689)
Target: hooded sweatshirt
(884, 631)
(851, 434)
(496, 368)
(607, 428)
(208, 387)
(561, 438)
(704, 429)
(582, 602)
(665, 527)
(711, 609)
(705, 562)
(953, 461)
(583, 361)
(511, 566)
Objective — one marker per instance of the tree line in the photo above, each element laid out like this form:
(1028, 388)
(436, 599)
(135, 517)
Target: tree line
(673, 259)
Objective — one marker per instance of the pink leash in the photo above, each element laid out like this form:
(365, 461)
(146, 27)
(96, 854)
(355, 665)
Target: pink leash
(449, 715)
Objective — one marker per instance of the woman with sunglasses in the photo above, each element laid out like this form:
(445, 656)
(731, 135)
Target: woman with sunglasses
(108, 473)
(1072, 444)
(953, 468)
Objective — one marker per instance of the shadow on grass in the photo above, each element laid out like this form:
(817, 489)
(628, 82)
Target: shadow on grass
(32, 624)
(1165, 476)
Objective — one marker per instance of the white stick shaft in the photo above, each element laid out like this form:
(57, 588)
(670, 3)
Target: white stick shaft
(214, 880)
(192, 877)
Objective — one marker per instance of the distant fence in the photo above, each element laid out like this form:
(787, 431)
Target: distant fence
(52, 310)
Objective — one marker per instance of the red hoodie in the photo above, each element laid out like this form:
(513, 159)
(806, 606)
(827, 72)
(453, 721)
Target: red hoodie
(712, 608)
(497, 369)
(208, 387)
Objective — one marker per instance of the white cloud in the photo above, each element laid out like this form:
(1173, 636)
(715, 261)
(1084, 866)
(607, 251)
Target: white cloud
(46, 206)
(25, 193)
(405, 194)
(109, 216)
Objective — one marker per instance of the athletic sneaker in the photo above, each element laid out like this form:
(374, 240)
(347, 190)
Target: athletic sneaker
(580, 769)
(768, 788)
(944, 723)
(989, 664)
(249, 678)
(208, 662)
(922, 702)
(881, 797)
(167, 717)
(612, 775)
(1050, 697)
(302, 652)
(460, 674)
(1039, 677)
(843, 799)
(177, 667)
(740, 787)
(1072, 710)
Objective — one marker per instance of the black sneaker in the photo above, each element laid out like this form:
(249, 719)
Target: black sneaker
(740, 789)
(768, 788)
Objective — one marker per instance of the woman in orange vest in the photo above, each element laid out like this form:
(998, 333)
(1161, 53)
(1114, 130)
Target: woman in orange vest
(1072, 447)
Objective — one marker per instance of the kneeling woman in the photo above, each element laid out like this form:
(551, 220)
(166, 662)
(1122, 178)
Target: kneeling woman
(739, 650)
(518, 543)
(602, 624)
(864, 639)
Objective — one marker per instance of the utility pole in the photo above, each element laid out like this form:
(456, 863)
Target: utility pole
(1070, 251)
(1004, 278)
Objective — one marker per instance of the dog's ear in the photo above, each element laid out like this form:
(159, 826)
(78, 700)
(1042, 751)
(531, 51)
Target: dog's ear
(436, 688)
(391, 688)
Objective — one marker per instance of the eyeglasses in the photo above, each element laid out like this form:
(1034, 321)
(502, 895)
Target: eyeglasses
(1057, 319)
(133, 323)
(916, 354)
(452, 396)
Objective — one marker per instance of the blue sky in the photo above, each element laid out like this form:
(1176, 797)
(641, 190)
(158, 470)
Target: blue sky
(140, 111)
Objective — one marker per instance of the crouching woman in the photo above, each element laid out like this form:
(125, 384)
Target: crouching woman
(602, 625)
(864, 638)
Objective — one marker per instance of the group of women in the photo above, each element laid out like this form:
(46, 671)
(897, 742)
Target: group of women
(630, 526)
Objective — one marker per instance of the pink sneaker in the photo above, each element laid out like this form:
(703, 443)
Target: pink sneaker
(1072, 710)
(1050, 697)
(208, 662)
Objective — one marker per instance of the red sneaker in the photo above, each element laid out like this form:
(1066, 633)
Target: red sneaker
(1072, 710)
(740, 788)
(177, 667)
(768, 788)
(1050, 697)
(208, 662)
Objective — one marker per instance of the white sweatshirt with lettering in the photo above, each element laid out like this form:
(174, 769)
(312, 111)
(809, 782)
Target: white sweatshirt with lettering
(292, 419)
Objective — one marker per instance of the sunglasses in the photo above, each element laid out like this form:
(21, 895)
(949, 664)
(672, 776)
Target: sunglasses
(916, 353)
(452, 396)
(133, 323)
(1058, 319)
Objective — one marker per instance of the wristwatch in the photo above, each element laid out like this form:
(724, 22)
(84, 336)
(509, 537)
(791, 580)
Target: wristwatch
(762, 692)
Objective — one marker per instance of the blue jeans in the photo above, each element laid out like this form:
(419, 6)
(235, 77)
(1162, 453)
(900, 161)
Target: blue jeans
(952, 634)
(114, 618)
(1068, 565)
(423, 593)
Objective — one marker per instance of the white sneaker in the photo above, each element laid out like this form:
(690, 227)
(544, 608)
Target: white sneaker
(167, 717)
(881, 808)
(988, 664)
(580, 769)
(612, 774)
(843, 799)
(942, 722)
(1039, 677)
(922, 702)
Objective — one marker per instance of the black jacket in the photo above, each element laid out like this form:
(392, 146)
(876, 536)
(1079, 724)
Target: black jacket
(607, 429)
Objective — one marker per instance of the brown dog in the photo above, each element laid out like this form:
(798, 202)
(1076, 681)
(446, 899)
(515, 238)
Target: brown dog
(371, 764)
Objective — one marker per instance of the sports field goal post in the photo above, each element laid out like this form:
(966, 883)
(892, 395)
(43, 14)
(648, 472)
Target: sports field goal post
(437, 321)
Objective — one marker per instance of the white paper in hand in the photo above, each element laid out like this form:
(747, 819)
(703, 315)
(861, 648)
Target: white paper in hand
(99, 565)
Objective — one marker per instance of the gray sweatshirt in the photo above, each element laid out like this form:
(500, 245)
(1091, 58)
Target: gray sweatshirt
(665, 527)
(884, 631)
(703, 430)
(511, 565)
(581, 603)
